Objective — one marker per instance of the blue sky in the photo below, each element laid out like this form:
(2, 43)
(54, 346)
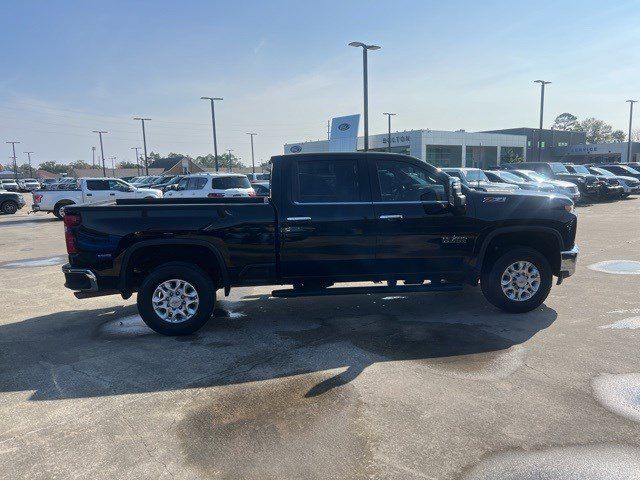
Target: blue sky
(284, 68)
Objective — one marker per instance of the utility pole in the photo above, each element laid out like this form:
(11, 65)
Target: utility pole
(253, 161)
(631, 102)
(15, 164)
(144, 144)
(389, 115)
(93, 157)
(229, 159)
(137, 159)
(30, 169)
(365, 75)
(213, 124)
(104, 169)
(542, 85)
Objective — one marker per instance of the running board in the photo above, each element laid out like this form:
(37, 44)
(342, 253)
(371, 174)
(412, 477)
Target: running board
(290, 292)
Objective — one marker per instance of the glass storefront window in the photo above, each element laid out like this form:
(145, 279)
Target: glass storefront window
(481, 157)
(511, 155)
(444, 155)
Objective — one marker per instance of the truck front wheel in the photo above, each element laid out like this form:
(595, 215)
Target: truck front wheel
(518, 281)
(176, 298)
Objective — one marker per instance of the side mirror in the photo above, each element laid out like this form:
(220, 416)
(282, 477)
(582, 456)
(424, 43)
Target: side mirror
(457, 201)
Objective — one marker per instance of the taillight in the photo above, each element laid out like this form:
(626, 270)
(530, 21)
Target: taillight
(215, 195)
(37, 198)
(252, 193)
(71, 220)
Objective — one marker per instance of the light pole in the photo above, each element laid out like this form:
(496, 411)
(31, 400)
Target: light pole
(104, 169)
(229, 158)
(213, 124)
(144, 143)
(631, 102)
(365, 48)
(542, 84)
(389, 115)
(15, 164)
(253, 161)
(93, 157)
(30, 169)
(137, 159)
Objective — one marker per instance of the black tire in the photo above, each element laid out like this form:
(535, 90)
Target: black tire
(490, 280)
(58, 206)
(9, 207)
(190, 273)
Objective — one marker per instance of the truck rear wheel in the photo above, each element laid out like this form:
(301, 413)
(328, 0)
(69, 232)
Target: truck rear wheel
(518, 281)
(176, 299)
(58, 209)
(9, 207)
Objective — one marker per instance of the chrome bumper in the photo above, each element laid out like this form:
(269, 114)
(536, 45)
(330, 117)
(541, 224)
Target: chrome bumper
(80, 279)
(568, 260)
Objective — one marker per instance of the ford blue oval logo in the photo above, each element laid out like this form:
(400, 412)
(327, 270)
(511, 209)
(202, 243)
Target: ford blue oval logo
(295, 149)
(344, 126)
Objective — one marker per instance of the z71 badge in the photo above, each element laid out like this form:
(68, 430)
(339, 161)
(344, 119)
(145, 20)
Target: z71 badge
(494, 199)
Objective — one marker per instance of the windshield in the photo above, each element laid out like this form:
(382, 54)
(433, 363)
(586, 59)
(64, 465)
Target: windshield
(581, 169)
(475, 175)
(510, 177)
(602, 172)
(630, 170)
(224, 183)
(148, 181)
(535, 176)
(558, 168)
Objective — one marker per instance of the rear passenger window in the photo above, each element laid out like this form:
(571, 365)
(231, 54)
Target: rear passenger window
(326, 181)
(95, 185)
(225, 183)
(197, 183)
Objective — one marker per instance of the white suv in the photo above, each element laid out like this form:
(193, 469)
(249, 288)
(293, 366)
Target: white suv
(211, 185)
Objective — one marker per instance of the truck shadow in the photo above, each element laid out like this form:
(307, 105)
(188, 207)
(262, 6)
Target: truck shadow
(102, 352)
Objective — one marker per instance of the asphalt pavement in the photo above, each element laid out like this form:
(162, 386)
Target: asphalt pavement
(424, 386)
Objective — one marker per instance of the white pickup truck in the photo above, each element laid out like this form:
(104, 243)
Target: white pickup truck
(89, 190)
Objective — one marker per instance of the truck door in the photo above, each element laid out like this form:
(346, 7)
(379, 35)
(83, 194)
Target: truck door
(95, 191)
(326, 219)
(417, 232)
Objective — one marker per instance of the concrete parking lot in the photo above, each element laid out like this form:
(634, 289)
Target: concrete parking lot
(407, 386)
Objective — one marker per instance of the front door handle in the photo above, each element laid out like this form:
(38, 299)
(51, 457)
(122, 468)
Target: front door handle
(298, 219)
(390, 217)
(89, 194)
(112, 194)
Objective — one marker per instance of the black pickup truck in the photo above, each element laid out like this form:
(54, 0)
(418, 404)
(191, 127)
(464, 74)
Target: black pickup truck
(330, 218)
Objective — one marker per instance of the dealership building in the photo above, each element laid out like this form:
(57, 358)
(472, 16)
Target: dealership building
(437, 147)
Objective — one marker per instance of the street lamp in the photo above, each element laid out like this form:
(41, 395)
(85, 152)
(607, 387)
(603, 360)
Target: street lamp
(213, 124)
(104, 169)
(253, 161)
(631, 102)
(144, 144)
(542, 84)
(365, 48)
(29, 157)
(389, 115)
(137, 159)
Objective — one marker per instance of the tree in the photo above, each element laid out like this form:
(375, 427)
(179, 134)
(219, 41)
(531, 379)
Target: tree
(127, 165)
(635, 135)
(618, 136)
(208, 161)
(81, 165)
(566, 121)
(597, 131)
(53, 167)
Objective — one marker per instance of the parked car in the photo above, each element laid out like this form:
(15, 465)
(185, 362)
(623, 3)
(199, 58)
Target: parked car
(212, 185)
(88, 190)
(28, 184)
(147, 181)
(259, 177)
(502, 176)
(562, 187)
(166, 181)
(611, 188)
(261, 188)
(48, 183)
(619, 169)
(10, 202)
(589, 185)
(331, 217)
(10, 185)
(65, 183)
(476, 179)
(630, 185)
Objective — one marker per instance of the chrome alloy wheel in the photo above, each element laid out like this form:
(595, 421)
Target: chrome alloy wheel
(520, 281)
(175, 301)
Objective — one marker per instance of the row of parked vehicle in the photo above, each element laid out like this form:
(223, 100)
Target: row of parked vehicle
(578, 182)
(20, 185)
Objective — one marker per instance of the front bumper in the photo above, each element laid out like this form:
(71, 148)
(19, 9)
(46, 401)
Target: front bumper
(79, 279)
(568, 261)
(613, 190)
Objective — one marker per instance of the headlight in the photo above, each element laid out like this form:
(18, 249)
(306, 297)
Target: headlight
(570, 208)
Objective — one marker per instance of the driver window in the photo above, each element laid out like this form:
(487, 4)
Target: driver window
(404, 182)
(182, 184)
(117, 186)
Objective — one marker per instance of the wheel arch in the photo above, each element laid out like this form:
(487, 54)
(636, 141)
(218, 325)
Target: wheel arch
(126, 281)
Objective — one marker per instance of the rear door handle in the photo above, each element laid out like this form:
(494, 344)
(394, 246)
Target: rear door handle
(112, 194)
(390, 217)
(89, 194)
